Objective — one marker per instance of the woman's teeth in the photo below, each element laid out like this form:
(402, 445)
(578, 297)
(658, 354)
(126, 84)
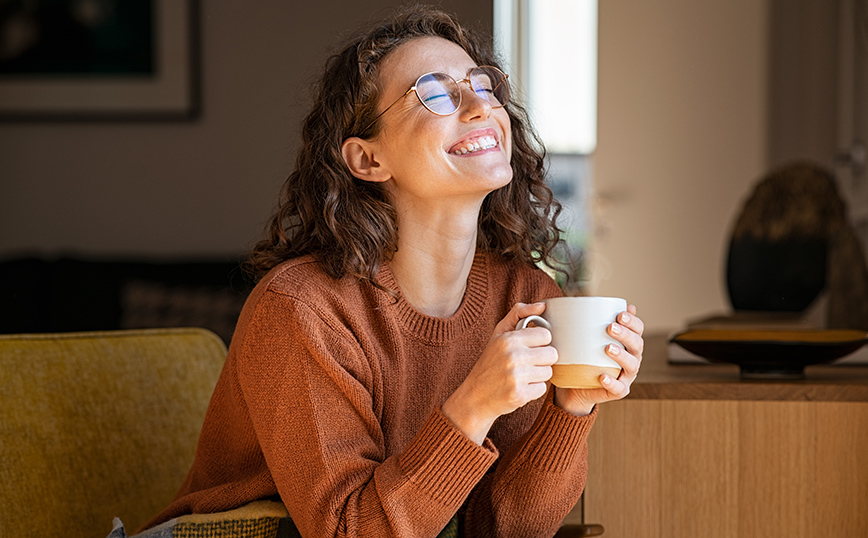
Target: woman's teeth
(484, 142)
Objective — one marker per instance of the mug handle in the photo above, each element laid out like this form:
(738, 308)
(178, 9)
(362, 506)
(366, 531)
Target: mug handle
(536, 319)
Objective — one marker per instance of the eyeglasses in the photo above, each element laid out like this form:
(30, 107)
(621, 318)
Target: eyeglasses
(441, 94)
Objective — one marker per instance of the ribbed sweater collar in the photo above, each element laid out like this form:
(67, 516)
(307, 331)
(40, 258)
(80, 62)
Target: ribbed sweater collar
(440, 331)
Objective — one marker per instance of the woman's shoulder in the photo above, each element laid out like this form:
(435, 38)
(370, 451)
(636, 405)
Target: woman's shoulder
(301, 289)
(304, 280)
(297, 274)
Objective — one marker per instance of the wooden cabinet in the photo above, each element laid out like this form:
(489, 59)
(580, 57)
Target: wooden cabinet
(695, 452)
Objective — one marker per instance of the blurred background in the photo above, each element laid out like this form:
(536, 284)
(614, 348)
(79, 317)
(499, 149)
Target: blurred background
(693, 102)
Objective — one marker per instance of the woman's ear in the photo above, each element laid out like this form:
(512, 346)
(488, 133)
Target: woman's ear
(358, 153)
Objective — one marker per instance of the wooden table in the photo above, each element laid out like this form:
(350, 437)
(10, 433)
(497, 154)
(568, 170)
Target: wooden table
(696, 452)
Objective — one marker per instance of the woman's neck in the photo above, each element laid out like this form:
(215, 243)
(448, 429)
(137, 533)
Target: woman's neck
(433, 261)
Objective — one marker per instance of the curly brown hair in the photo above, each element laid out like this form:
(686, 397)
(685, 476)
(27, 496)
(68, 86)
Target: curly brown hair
(349, 224)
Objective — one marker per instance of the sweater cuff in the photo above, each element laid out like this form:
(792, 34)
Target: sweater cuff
(444, 462)
(556, 440)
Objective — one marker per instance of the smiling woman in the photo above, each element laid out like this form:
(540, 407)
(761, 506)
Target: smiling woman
(429, 159)
(375, 384)
(518, 220)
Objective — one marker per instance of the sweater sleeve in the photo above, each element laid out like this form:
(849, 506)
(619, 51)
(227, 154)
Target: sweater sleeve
(307, 385)
(537, 481)
(541, 474)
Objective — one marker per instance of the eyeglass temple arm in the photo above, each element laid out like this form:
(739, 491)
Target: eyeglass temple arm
(499, 84)
(395, 102)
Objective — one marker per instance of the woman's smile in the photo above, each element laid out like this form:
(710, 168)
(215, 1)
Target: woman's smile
(438, 157)
(478, 141)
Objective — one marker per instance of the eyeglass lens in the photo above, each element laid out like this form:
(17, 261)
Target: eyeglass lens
(441, 94)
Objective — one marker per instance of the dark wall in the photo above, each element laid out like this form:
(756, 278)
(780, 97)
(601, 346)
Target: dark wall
(188, 188)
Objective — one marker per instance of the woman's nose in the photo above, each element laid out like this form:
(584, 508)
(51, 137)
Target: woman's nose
(473, 105)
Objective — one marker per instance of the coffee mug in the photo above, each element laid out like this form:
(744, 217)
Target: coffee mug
(578, 326)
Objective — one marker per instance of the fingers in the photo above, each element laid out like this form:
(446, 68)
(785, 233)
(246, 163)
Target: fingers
(511, 372)
(632, 342)
(629, 363)
(616, 388)
(533, 337)
(628, 330)
(529, 337)
(631, 320)
(516, 314)
(527, 347)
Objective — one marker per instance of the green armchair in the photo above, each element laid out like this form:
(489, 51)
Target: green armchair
(99, 425)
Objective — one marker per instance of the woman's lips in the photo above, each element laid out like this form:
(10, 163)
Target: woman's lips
(477, 141)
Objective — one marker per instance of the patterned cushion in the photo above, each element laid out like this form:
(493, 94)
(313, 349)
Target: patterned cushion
(451, 530)
(259, 519)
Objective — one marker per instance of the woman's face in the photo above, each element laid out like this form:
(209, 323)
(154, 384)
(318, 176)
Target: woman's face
(427, 155)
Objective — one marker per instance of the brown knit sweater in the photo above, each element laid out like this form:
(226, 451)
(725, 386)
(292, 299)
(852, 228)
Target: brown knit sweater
(330, 397)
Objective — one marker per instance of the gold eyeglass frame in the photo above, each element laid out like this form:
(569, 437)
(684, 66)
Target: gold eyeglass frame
(460, 93)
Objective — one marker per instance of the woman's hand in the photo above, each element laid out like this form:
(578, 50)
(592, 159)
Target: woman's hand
(627, 329)
(512, 371)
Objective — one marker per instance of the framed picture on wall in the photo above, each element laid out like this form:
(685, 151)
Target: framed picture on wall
(69, 60)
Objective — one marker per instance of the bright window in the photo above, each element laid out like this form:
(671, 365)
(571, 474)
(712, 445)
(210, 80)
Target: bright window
(550, 51)
(550, 47)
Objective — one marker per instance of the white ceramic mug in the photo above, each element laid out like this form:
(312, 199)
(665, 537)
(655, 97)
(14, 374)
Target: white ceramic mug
(578, 326)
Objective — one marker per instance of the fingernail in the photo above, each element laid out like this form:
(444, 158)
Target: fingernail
(625, 317)
(607, 380)
(614, 350)
(616, 328)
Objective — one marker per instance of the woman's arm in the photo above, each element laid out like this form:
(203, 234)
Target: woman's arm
(537, 481)
(540, 478)
(541, 475)
(312, 396)
(511, 372)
